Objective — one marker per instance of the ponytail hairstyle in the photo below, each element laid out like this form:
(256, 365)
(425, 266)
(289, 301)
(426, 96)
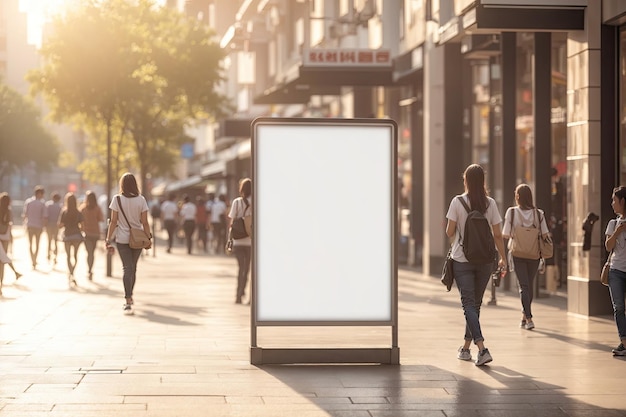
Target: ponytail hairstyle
(524, 197)
(474, 179)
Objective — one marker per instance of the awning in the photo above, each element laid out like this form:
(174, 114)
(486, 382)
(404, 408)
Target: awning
(324, 71)
(527, 16)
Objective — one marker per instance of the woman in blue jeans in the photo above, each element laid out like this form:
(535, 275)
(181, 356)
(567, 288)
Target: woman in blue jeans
(472, 279)
(524, 214)
(242, 248)
(616, 244)
(136, 211)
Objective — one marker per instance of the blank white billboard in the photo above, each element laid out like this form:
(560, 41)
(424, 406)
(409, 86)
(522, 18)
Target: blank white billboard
(324, 220)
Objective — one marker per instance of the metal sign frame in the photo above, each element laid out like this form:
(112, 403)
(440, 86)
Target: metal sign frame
(288, 172)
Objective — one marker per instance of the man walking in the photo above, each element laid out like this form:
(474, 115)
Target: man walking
(34, 217)
(53, 211)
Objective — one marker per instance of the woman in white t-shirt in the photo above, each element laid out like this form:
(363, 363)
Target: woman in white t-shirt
(136, 210)
(524, 214)
(472, 278)
(616, 244)
(242, 248)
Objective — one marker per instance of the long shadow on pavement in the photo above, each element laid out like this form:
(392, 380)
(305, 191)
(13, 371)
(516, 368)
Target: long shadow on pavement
(422, 390)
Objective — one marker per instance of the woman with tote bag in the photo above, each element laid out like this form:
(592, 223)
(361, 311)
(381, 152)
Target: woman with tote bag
(524, 225)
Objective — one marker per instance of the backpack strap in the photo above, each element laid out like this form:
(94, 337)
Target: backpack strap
(462, 200)
(460, 197)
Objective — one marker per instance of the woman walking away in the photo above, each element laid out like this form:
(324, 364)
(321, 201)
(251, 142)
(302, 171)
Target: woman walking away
(135, 208)
(6, 221)
(71, 221)
(242, 207)
(616, 244)
(92, 216)
(473, 263)
(524, 214)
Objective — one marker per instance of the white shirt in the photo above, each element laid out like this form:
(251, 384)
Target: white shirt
(618, 258)
(169, 210)
(524, 218)
(237, 210)
(133, 207)
(458, 214)
(188, 211)
(217, 209)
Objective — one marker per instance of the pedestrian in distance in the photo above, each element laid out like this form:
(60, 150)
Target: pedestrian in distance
(524, 214)
(219, 222)
(242, 248)
(135, 209)
(53, 212)
(474, 225)
(208, 208)
(188, 215)
(169, 217)
(71, 221)
(92, 217)
(6, 222)
(615, 243)
(34, 217)
(201, 222)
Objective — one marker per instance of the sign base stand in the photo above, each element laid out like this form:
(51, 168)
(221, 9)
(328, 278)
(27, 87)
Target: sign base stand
(265, 356)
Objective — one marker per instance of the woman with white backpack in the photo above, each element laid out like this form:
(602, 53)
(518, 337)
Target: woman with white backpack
(523, 225)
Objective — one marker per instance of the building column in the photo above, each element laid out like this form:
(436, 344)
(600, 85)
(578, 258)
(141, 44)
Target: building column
(585, 294)
(435, 206)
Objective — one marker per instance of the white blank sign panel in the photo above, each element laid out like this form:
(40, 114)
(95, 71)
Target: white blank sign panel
(324, 193)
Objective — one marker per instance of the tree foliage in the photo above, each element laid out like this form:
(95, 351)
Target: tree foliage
(134, 74)
(23, 138)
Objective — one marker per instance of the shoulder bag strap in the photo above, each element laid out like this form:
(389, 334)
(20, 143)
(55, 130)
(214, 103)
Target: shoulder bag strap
(245, 201)
(512, 218)
(119, 203)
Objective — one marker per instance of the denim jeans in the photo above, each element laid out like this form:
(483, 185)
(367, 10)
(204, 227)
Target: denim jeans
(526, 271)
(129, 257)
(617, 287)
(471, 280)
(243, 254)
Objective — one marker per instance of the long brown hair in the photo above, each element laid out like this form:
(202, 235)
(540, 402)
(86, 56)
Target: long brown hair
(474, 177)
(5, 208)
(128, 185)
(524, 197)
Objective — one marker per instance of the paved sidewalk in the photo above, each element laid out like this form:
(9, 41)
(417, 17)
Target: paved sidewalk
(71, 352)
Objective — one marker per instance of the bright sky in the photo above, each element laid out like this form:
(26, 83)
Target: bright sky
(39, 11)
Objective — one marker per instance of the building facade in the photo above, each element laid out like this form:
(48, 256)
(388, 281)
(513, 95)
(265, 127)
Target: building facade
(532, 90)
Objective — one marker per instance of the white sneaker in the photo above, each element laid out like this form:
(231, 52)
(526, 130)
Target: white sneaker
(530, 325)
(464, 354)
(128, 309)
(483, 358)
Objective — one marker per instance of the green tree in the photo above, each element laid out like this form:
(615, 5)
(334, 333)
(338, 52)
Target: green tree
(23, 139)
(135, 71)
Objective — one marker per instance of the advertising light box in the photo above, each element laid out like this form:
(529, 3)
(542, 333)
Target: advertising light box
(324, 221)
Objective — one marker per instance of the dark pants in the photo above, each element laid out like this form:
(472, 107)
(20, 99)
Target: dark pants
(129, 257)
(34, 234)
(471, 280)
(526, 271)
(189, 226)
(170, 226)
(202, 232)
(90, 245)
(219, 236)
(53, 233)
(243, 255)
